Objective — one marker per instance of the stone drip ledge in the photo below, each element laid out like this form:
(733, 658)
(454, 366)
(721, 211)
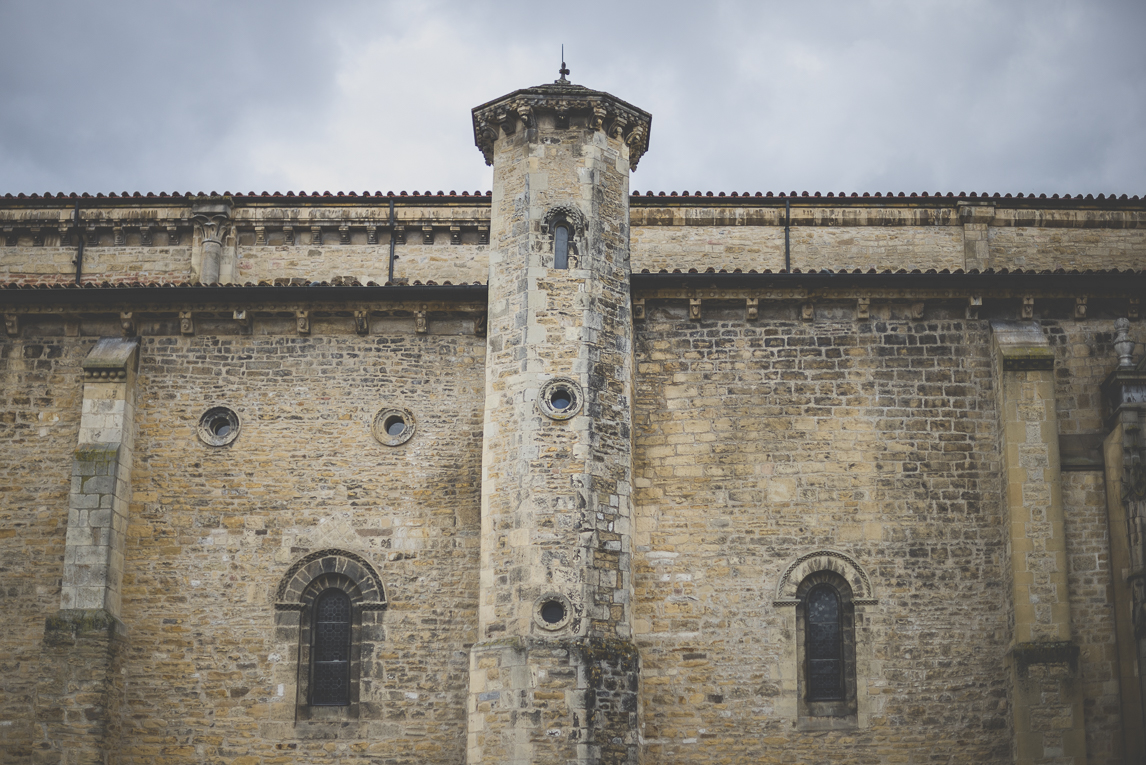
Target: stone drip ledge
(1049, 655)
(71, 624)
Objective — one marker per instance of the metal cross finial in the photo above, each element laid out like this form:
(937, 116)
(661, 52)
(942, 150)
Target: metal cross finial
(563, 70)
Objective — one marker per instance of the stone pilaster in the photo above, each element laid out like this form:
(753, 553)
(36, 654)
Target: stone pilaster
(77, 698)
(1125, 462)
(1046, 695)
(554, 675)
(977, 220)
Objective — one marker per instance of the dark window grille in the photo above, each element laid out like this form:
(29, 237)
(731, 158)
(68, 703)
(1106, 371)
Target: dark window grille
(330, 651)
(561, 247)
(824, 645)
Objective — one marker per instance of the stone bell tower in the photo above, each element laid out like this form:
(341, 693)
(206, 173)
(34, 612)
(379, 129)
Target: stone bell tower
(553, 678)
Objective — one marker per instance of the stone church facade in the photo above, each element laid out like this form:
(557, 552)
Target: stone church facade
(566, 473)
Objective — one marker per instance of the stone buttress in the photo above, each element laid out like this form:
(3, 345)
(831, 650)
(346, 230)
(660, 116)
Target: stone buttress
(554, 675)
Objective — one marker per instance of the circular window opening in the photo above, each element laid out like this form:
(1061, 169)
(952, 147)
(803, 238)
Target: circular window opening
(218, 426)
(552, 611)
(560, 398)
(393, 426)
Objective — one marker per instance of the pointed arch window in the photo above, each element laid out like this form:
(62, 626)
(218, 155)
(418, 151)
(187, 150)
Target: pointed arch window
(330, 652)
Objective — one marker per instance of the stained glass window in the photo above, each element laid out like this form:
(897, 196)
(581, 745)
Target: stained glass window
(330, 651)
(824, 645)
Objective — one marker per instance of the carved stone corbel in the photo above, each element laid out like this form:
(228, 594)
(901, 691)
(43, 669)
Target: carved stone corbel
(917, 310)
(127, 323)
(399, 235)
(421, 326)
(362, 322)
(316, 236)
(243, 318)
(91, 233)
(639, 309)
(863, 308)
(11, 238)
(260, 236)
(1028, 307)
(1132, 309)
(808, 311)
(483, 234)
(1080, 308)
(172, 235)
(427, 234)
(12, 324)
(694, 305)
(37, 236)
(480, 325)
(752, 309)
(118, 237)
(288, 234)
(145, 235)
(974, 303)
(455, 234)
(302, 322)
(64, 231)
(186, 324)
(344, 234)
(372, 234)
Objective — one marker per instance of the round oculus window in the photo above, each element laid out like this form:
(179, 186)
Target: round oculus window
(552, 612)
(560, 398)
(393, 426)
(218, 426)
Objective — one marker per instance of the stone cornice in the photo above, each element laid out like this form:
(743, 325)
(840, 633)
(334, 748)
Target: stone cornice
(605, 112)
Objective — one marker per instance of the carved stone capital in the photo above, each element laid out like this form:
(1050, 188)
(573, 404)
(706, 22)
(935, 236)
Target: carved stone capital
(212, 215)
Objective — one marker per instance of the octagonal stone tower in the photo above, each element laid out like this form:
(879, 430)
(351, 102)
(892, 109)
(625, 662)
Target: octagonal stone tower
(553, 678)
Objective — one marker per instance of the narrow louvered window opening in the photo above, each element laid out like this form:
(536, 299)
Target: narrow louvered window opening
(824, 645)
(330, 652)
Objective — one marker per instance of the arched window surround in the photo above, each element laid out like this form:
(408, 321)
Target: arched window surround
(297, 595)
(850, 583)
(572, 220)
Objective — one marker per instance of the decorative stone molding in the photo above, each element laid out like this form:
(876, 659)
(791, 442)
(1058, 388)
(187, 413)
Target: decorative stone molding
(12, 324)
(393, 426)
(219, 426)
(1023, 346)
(600, 111)
(370, 595)
(863, 594)
(863, 308)
(560, 398)
(553, 612)
(127, 323)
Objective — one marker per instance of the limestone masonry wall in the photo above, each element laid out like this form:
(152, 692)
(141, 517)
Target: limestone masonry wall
(758, 443)
(39, 419)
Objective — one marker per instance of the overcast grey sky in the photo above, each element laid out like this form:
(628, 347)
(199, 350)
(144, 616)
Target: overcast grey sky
(1047, 96)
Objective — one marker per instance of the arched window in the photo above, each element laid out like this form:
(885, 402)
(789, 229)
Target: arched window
(561, 246)
(330, 651)
(328, 613)
(824, 645)
(826, 653)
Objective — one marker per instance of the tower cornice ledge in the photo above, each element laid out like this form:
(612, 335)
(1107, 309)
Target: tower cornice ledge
(598, 110)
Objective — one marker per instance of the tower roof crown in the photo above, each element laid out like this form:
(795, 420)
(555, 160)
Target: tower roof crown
(617, 118)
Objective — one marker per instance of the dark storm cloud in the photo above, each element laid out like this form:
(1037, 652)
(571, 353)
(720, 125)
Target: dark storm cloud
(847, 96)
